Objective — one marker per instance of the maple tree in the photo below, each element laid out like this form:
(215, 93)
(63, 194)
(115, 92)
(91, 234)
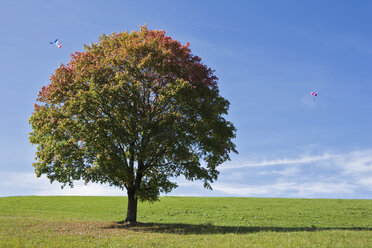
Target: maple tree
(133, 110)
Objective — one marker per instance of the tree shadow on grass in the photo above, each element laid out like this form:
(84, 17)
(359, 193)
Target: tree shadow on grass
(211, 229)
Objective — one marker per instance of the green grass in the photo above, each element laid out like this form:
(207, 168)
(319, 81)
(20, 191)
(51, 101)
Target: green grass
(185, 222)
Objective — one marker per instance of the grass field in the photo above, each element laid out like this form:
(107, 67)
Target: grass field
(64, 221)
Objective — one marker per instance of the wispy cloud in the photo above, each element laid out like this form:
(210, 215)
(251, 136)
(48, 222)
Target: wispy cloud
(333, 175)
(305, 159)
(366, 182)
(328, 175)
(356, 162)
(288, 171)
(21, 183)
(289, 189)
(80, 188)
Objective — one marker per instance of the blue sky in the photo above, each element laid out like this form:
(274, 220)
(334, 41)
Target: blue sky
(268, 55)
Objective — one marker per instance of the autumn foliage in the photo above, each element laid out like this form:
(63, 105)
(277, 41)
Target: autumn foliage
(133, 110)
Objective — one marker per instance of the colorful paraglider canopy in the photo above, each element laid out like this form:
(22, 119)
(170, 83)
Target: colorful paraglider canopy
(314, 94)
(57, 43)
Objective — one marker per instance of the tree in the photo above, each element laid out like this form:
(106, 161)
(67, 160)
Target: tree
(132, 110)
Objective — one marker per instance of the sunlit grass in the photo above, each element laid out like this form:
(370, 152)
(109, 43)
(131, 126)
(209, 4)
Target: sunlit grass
(185, 222)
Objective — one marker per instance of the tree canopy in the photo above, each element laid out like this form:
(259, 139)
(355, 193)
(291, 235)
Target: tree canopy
(133, 110)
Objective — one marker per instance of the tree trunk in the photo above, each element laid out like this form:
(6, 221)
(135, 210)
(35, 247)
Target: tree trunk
(132, 207)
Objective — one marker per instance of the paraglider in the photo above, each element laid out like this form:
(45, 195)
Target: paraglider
(57, 43)
(314, 94)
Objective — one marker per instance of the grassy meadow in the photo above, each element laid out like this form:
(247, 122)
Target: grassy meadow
(82, 221)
